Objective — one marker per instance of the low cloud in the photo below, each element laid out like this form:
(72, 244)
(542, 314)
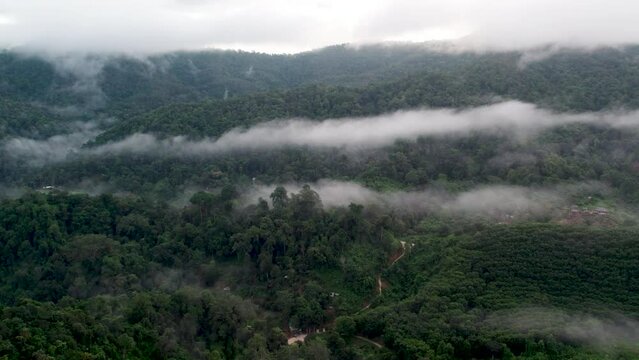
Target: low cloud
(54, 149)
(85, 70)
(513, 118)
(497, 201)
(92, 187)
(11, 192)
(606, 332)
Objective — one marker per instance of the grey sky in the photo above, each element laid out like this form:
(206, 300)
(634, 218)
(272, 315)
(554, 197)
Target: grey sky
(144, 26)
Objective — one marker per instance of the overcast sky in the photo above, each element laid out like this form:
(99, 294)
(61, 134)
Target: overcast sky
(275, 26)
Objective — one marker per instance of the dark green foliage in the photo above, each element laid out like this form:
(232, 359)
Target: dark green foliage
(130, 277)
(124, 278)
(25, 77)
(567, 81)
(449, 292)
(26, 120)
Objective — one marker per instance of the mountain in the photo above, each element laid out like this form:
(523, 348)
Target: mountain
(374, 202)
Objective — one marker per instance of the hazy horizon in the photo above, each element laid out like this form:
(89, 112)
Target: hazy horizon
(145, 27)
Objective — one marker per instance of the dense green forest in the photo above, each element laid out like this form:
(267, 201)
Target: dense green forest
(118, 277)
(574, 82)
(343, 81)
(118, 254)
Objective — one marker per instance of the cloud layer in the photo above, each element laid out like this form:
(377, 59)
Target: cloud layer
(514, 118)
(54, 149)
(603, 332)
(496, 201)
(144, 26)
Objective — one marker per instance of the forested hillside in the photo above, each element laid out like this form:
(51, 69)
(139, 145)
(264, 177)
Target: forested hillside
(124, 85)
(374, 202)
(381, 78)
(118, 277)
(567, 81)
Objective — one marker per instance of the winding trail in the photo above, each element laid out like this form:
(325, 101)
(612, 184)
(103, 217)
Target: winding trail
(379, 293)
(402, 254)
(380, 284)
(380, 288)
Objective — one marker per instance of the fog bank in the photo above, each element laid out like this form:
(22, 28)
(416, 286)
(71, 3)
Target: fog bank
(51, 150)
(512, 118)
(492, 201)
(603, 332)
